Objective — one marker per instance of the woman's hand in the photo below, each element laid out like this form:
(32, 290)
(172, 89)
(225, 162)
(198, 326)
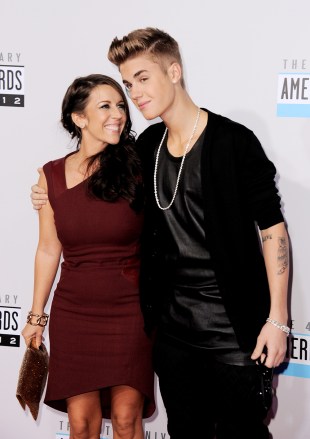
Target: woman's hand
(30, 332)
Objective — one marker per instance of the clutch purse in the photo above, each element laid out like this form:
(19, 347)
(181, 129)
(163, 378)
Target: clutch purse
(32, 377)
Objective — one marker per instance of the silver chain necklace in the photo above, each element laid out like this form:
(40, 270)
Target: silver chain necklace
(181, 166)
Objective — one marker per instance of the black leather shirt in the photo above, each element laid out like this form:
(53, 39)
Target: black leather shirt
(193, 311)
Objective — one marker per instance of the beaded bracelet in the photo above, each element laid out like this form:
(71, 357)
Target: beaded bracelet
(39, 317)
(278, 325)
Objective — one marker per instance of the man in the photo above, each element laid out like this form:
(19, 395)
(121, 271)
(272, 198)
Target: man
(215, 251)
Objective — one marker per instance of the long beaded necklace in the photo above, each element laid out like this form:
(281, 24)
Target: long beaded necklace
(181, 166)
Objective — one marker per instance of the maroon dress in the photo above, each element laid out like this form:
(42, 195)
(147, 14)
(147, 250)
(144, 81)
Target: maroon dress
(96, 327)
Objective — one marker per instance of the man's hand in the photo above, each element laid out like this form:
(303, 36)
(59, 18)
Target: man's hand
(274, 340)
(38, 195)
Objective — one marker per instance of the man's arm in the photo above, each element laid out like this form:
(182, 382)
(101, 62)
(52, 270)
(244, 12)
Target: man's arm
(38, 194)
(276, 255)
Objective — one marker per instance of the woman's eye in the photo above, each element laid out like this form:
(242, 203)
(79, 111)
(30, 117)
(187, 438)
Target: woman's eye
(106, 106)
(122, 107)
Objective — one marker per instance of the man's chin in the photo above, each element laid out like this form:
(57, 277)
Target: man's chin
(148, 115)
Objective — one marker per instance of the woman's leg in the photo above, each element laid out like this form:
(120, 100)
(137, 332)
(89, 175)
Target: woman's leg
(85, 416)
(126, 413)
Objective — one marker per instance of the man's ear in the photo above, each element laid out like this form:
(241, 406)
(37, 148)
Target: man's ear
(79, 120)
(175, 72)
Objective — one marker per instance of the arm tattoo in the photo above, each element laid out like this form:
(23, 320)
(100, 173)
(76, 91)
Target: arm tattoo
(264, 238)
(282, 255)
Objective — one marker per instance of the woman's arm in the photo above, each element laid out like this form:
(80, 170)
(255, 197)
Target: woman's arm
(276, 255)
(46, 265)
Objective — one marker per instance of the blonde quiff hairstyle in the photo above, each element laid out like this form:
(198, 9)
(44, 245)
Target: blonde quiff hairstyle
(149, 40)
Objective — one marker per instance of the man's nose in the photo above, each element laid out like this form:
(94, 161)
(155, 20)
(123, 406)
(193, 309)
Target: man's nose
(135, 91)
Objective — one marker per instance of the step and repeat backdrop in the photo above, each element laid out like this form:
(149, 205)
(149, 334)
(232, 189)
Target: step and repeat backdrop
(249, 61)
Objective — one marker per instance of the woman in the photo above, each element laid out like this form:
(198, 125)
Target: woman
(100, 357)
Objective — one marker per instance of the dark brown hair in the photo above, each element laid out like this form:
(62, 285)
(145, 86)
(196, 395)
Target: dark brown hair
(117, 167)
(76, 99)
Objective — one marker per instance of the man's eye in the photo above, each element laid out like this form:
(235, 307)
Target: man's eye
(128, 86)
(143, 79)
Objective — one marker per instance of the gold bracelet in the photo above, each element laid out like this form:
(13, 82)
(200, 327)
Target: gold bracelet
(44, 317)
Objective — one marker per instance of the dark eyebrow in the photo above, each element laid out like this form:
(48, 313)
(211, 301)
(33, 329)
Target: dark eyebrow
(106, 101)
(139, 73)
(135, 76)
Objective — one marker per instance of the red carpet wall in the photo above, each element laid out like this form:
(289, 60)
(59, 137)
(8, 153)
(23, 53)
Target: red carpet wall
(247, 60)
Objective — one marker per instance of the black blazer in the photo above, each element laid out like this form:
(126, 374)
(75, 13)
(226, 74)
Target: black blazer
(239, 194)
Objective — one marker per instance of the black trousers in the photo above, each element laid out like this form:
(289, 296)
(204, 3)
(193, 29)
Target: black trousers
(204, 398)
